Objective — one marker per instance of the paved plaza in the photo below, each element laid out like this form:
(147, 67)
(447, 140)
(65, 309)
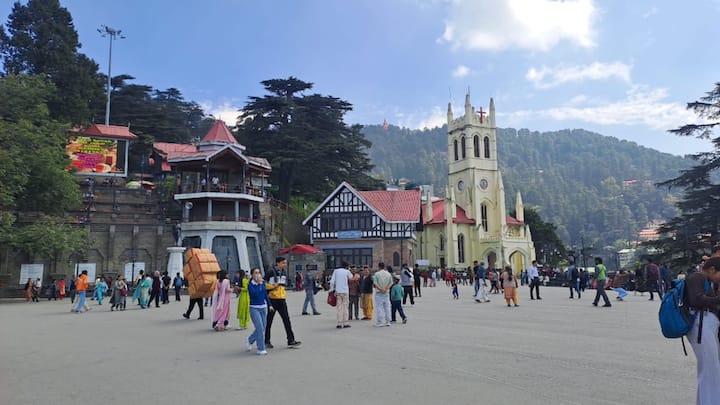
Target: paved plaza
(554, 351)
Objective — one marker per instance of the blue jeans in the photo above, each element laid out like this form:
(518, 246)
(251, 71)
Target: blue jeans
(309, 297)
(81, 301)
(259, 319)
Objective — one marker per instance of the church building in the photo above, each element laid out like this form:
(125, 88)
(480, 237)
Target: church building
(471, 222)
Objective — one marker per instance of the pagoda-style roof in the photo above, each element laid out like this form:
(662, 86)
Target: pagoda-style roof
(219, 133)
(109, 131)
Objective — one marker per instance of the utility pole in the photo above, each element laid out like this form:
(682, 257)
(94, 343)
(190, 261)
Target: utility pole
(111, 33)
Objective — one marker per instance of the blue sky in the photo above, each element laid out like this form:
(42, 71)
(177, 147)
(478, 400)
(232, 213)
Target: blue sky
(620, 68)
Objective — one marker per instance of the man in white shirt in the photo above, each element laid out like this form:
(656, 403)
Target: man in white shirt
(339, 284)
(534, 280)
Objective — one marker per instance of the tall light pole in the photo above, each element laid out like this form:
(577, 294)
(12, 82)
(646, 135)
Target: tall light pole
(111, 33)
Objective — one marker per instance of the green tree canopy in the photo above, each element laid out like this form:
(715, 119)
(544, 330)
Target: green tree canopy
(41, 40)
(311, 148)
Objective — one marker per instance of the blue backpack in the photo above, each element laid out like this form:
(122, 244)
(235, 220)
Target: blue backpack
(675, 317)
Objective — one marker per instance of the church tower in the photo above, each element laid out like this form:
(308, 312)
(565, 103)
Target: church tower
(476, 192)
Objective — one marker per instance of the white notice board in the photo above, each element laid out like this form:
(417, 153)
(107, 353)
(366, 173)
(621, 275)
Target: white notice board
(90, 267)
(129, 276)
(32, 271)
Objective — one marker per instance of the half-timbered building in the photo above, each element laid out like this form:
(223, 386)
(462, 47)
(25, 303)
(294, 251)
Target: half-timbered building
(366, 227)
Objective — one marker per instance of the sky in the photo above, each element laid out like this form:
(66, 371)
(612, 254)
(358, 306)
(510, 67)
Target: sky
(620, 68)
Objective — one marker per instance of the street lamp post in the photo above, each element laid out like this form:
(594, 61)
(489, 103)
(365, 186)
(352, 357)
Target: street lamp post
(111, 33)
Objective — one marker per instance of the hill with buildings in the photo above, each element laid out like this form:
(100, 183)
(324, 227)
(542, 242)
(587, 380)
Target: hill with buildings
(597, 189)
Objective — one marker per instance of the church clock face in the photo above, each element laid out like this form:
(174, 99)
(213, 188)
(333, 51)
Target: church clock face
(461, 185)
(484, 184)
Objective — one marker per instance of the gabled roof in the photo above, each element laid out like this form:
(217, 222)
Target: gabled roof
(513, 221)
(219, 133)
(178, 152)
(395, 206)
(438, 209)
(390, 206)
(109, 131)
(171, 150)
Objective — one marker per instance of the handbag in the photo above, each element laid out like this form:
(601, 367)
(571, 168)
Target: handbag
(332, 299)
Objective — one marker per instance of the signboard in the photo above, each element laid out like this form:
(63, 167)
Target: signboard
(349, 234)
(131, 272)
(97, 156)
(32, 271)
(90, 267)
(423, 262)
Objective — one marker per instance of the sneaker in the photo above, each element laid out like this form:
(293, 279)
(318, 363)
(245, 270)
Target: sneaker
(378, 325)
(305, 313)
(487, 300)
(607, 305)
(594, 304)
(316, 313)
(240, 328)
(294, 343)
(405, 321)
(387, 324)
(346, 326)
(269, 345)
(339, 327)
(186, 316)
(478, 301)
(262, 352)
(248, 346)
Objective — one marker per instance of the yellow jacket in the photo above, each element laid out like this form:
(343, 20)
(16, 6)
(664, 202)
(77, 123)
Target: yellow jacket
(276, 291)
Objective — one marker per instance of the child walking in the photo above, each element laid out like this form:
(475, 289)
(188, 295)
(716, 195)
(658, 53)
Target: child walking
(396, 294)
(456, 295)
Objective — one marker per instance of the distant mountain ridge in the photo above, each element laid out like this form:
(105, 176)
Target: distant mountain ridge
(593, 187)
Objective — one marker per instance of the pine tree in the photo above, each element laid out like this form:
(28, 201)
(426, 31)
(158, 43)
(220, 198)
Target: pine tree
(696, 230)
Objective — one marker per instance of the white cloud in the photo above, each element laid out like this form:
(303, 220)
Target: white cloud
(223, 111)
(653, 10)
(526, 24)
(545, 77)
(461, 71)
(436, 117)
(641, 106)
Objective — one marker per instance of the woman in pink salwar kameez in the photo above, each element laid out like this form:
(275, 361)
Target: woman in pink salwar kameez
(221, 302)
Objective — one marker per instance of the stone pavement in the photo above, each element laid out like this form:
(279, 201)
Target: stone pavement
(554, 351)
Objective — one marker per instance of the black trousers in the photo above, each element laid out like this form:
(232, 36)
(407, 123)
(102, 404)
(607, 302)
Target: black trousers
(408, 290)
(354, 303)
(199, 302)
(156, 296)
(280, 307)
(177, 293)
(535, 284)
(417, 288)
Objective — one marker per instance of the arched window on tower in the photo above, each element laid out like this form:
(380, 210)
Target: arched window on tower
(462, 147)
(442, 243)
(486, 145)
(476, 146)
(484, 217)
(396, 259)
(456, 149)
(461, 248)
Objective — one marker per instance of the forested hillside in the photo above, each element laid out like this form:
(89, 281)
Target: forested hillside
(591, 186)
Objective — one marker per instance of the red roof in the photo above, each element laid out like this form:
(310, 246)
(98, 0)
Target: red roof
(109, 131)
(513, 221)
(173, 150)
(395, 206)
(438, 208)
(219, 133)
(299, 250)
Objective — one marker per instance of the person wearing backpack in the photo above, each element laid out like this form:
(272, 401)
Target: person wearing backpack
(705, 304)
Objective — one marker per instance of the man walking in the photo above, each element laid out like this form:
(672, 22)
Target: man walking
(366, 294)
(407, 281)
(309, 287)
(276, 280)
(416, 274)
(166, 288)
(600, 277)
(534, 280)
(178, 285)
(382, 282)
(339, 284)
(480, 293)
(81, 285)
(573, 279)
(155, 290)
